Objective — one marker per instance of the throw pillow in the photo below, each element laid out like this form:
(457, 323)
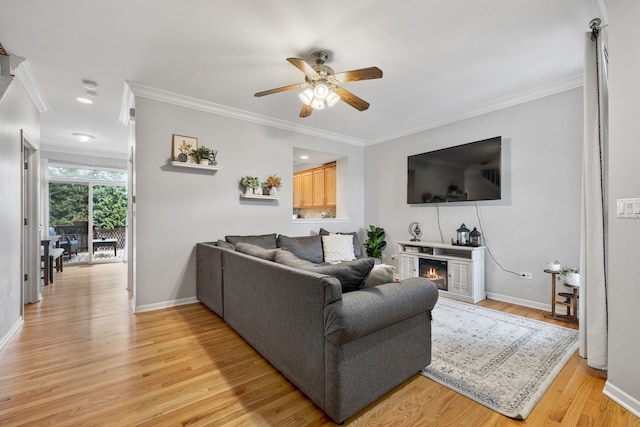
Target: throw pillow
(267, 241)
(357, 248)
(256, 251)
(351, 274)
(225, 245)
(380, 273)
(338, 247)
(306, 247)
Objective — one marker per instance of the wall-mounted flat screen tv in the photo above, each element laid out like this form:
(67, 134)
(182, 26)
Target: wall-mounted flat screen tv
(465, 172)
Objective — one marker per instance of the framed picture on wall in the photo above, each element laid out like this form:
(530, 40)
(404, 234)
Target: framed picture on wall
(182, 146)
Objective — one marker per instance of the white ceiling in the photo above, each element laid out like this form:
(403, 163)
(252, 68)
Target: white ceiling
(442, 60)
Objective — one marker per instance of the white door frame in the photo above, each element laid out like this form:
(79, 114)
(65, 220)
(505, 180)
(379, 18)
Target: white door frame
(30, 242)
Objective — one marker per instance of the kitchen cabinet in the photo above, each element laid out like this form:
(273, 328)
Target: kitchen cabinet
(315, 187)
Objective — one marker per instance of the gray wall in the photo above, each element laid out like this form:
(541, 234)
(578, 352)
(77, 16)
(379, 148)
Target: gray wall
(177, 207)
(624, 151)
(538, 218)
(16, 112)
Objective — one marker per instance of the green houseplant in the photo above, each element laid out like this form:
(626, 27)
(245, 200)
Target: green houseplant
(570, 275)
(375, 242)
(201, 154)
(249, 182)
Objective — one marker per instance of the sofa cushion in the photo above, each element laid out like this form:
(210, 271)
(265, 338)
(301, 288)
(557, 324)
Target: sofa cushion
(225, 245)
(351, 274)
(338, 247)
(357, 248)
(380, 273)
(306, 247)
(267, 241)
(256, 251)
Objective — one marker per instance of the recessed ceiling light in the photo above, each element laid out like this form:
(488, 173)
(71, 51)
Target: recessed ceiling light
(89, 85)
(84, 100)
(83, 137)
(304, 157)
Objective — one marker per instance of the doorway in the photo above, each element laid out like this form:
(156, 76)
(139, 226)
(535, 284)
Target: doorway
(30, 244)
(88, 209)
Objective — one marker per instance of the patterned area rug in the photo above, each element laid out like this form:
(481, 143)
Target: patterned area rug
(502, 361)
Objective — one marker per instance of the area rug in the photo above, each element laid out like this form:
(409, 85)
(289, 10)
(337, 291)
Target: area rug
(502, 361)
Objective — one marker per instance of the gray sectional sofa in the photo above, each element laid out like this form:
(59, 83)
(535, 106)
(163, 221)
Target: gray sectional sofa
(342, 349)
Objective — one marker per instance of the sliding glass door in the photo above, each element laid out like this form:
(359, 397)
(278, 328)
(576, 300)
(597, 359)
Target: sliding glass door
(109, 214)
(88, 211)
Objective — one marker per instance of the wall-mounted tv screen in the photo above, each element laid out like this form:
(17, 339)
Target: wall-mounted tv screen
(465, 172)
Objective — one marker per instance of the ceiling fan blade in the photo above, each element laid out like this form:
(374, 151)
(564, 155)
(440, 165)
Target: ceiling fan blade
(306, 110)
(303, 66)
(357, 103)
(280, 89)
(362, 74)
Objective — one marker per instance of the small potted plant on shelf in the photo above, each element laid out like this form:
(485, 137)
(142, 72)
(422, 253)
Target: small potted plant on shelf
(202, 154)
(273, 183)
(250, 183)
(375, 242)
(570, 275)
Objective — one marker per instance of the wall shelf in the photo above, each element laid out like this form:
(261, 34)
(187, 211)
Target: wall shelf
(195, 165)
(256, 196)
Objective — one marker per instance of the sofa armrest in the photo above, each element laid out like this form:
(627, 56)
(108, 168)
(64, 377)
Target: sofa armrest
(367, 310)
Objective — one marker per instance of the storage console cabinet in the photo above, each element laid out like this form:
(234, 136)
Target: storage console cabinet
(457, 271)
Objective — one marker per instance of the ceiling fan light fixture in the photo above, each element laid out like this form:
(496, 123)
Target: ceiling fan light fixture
(332, 99)
(321, 91)
(306, 96)
(318, 104)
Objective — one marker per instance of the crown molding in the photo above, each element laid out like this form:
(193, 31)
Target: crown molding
(25, 75)
(213, 108)
(499, 104)
(222, 110)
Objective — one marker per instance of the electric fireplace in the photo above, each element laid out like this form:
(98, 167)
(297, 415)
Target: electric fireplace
(434, 270)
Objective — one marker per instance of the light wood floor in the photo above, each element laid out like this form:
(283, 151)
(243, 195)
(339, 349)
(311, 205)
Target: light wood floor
(83, 359)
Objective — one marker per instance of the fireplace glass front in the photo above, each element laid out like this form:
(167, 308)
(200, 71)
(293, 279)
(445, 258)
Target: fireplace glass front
(434, 270)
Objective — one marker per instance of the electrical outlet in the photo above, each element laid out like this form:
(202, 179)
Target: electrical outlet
(393, 257)
(525, 275)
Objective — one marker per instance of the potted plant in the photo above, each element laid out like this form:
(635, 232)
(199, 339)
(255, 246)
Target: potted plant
(249, 182)
(273, 183)
(202, 154)
(375, 242)
(570, 275)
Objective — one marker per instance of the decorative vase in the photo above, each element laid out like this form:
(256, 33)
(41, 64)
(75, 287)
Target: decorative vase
(248, 191)
(257, 191)
(554, 266)
(572, 279)
(204, 161)
(273, 191)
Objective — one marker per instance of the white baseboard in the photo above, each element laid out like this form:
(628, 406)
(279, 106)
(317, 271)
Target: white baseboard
(524, 302)
(16, 326)
(165, 304)
(519, 301)
(619, 396)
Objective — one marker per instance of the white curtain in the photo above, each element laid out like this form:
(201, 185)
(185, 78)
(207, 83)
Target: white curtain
(594, 218)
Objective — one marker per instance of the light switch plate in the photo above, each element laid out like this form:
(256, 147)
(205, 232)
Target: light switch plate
(628, 208)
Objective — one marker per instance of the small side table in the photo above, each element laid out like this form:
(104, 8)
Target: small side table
(571, 301)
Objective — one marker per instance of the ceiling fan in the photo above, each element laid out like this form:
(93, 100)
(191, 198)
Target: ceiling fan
(323, 84)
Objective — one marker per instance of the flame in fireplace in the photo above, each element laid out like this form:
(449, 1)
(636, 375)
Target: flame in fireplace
(432, 274)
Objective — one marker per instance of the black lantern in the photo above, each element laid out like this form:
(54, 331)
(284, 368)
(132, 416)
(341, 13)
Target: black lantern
(475, 237)
(463, 235)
